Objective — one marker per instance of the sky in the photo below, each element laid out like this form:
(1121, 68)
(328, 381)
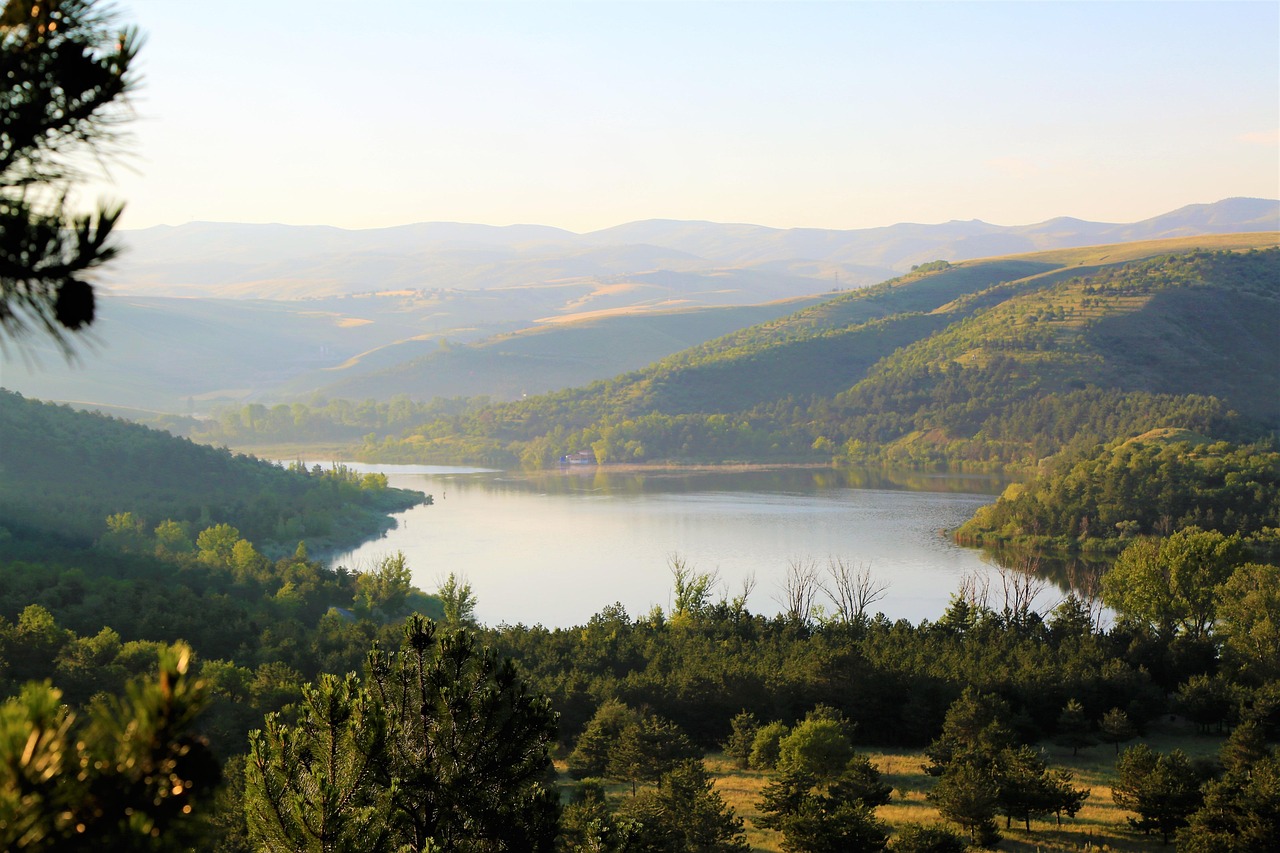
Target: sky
(786, 114)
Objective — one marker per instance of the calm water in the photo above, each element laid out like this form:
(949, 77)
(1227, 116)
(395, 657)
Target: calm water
(556, 547)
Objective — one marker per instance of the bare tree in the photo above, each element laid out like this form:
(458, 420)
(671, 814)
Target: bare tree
(1086, 581)
(799, 588)
(975, 590)
(738, 604)
(1021, 584)
(851, 589)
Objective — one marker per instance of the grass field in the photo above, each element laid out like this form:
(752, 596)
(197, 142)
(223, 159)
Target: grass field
(1100, 826)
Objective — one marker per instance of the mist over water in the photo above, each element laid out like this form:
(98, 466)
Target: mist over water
(556, 547)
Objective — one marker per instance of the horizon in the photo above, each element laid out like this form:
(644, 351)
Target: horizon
(833, 116)
(697, 222)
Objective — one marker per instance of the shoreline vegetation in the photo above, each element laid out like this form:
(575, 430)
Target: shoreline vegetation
(136, 566)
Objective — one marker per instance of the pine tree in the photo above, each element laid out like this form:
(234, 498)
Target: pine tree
(68, 71)
(1162, 789)
(1073, 728)
(742, 734)
(315, 786)
(1116, 728)
(468, 745)
(132, 778)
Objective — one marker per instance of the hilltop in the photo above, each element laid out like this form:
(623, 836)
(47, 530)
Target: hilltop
(201, 316)
(987, 362)
(64, 472)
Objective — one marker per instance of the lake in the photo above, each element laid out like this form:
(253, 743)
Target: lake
(556, 547)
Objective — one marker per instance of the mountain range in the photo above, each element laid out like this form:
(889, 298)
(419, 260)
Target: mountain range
(205, 314)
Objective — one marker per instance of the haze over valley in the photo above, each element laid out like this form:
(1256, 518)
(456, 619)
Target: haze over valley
(212, 314)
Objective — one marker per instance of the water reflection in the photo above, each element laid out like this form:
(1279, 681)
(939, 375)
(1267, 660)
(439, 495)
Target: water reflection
(554, 547)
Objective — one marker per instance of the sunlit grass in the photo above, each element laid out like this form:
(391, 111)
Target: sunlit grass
(1100, 825)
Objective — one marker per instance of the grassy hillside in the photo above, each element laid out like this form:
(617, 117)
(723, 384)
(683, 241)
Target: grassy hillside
(986, 362)
(548, 357)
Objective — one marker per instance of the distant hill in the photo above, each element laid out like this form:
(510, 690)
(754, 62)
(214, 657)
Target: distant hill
(988, 361)
(275, 261)
(213, 314)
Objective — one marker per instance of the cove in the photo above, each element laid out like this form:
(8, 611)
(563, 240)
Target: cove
(555, 547)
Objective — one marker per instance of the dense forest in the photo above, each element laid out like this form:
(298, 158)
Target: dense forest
(638, 700)
(165, 626)
(982, 364)
(1152, 484)
(178, 671)
(65, 473)
(994, 364)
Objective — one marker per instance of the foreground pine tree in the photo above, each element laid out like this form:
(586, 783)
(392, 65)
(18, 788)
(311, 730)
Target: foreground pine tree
(441, 747)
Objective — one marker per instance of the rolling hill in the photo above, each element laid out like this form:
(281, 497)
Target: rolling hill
(990, 362)
(213, 314)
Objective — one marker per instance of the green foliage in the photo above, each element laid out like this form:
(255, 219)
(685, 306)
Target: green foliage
(1073, 728)
(458, 601)
(967, 796)
(975, 731)
(766, 746)
(831, 813)
(1153, 484)
(1027, 788)
(127, 780)
(1172, 584)
(442, 747)
(684, 814)
(385, 589)
(77, 469)
(935, 838)
(1248, 619)
(467, 747)
(816, 748)
(315, 786)
(591, 755)
(1115, 728)
(1241, 811)
(742, 735)
(68, 73)
(648, 749)
(988, 364)
(1163, 790)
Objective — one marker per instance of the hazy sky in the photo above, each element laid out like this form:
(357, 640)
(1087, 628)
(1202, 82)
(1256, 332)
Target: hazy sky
(587, 115)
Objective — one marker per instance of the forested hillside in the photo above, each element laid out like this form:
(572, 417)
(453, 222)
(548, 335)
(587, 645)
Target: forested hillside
(989, 363)
(63, 473)
(1153, 484)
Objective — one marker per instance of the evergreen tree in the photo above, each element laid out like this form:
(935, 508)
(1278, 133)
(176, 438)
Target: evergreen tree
(649, 749)
(68, 71)
(974, 731)
(742, 733)
(831, 813)
(128, 780)
(1073, 728)
(315, 786)
(917, 838)
(967, 796)
(684, 814)
(590, 756)
(1115, 728)
(1162, 789)
(467, 745)
(1240, 813)
(1027, 788)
